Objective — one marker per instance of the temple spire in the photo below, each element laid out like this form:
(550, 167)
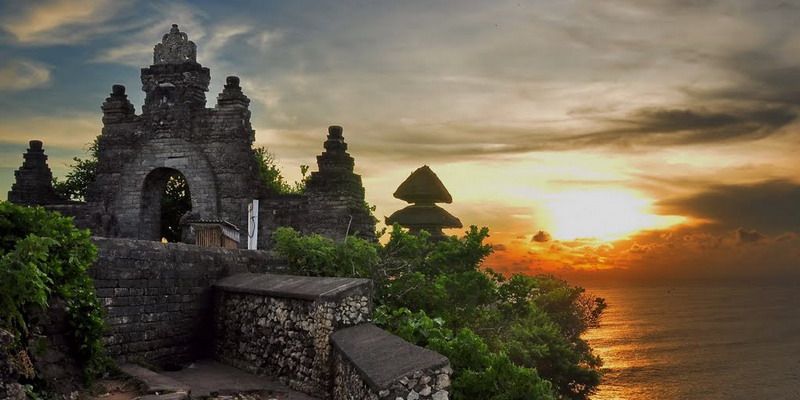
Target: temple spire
(175, 48)
(34, 180)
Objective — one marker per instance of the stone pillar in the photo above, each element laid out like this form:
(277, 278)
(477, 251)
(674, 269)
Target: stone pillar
(117, 108)
(336, 194)
(34, 180)
(335, 166)
(232, 96)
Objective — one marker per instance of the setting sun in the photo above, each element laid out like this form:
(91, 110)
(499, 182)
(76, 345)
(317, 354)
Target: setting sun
(604, 214)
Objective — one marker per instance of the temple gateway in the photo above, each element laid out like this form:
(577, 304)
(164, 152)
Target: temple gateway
(176, 135)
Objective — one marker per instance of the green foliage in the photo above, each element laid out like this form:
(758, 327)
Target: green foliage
(271, 174)
(82, 173)
(43, 255)
(516, 337)
(175, 202)
(479, 373)
(316, 255)
(22, 282)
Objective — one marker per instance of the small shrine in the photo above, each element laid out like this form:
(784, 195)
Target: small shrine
(424, 189)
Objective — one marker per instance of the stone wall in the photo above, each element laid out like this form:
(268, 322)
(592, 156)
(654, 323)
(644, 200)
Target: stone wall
(280, 325)
(157, 297)
(372, 364)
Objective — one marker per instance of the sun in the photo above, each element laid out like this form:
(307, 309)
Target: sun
(602, 214)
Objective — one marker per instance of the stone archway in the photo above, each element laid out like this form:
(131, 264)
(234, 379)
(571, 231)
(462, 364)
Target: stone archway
(164, 201)
(139, 186)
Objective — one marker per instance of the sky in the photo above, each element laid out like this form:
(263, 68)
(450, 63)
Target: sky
(622, 139)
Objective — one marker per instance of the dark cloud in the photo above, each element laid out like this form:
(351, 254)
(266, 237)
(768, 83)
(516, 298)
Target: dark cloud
(748, 236)
(499, 247)
(541, 237)
(763, 78)
(675, 126)
(771, 207)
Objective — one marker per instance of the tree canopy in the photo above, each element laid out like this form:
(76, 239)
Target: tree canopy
(507, 337)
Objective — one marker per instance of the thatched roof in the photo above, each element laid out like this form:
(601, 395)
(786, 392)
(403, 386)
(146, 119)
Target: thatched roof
(421, 216)
(423, 186)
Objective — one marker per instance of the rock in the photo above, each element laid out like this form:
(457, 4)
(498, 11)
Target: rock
(440, 395)
(442, 381)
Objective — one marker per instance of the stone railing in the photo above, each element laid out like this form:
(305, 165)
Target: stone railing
(372, 364)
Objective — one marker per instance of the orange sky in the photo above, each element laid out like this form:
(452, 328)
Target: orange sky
(651, 139)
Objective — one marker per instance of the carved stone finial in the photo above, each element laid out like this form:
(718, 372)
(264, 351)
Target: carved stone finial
(335, 131)
(232, 96)
(175, 48)
(117, 107)
(334, 160)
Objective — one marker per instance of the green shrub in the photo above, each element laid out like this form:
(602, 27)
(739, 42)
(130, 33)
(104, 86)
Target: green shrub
(517, 337)
(43, 255)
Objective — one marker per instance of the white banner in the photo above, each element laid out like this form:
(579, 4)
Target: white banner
(252, 225)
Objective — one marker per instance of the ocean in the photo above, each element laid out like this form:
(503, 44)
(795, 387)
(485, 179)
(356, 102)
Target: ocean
(699, 341)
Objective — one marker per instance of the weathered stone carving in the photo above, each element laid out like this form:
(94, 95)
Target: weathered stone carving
(175, 48)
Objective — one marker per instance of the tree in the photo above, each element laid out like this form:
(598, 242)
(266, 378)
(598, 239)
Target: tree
(81, 174)
(175, 202)
(271, 174)
(514, 337)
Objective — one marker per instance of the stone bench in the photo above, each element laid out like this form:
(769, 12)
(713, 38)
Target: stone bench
(371, 363)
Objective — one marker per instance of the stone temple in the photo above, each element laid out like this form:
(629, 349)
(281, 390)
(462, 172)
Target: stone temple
(222, 308)
(211, 148)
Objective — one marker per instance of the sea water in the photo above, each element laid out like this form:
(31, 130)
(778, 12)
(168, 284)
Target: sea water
(699, 341)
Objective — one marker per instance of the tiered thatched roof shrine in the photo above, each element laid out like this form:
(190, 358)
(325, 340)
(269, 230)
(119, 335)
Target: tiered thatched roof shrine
(423, 189)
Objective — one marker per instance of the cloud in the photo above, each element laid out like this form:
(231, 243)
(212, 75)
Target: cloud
(263, 40)
(135, 47)
(749, 236)
(63, 131)
(61, 21)
(21, 74)
(771, 207)
(499, 247)
(541, 237)
(666, 126)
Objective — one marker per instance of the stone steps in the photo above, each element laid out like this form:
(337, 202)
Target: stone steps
(207, 378)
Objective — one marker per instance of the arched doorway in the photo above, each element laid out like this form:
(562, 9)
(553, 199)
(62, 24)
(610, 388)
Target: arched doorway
(165, 198)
